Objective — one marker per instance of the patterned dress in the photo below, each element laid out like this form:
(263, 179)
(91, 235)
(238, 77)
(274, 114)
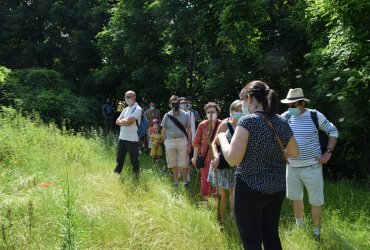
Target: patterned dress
(226, 177)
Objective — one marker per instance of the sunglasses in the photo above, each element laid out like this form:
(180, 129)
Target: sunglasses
(293, 105)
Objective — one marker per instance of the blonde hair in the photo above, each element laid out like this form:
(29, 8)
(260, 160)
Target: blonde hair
(236, 105)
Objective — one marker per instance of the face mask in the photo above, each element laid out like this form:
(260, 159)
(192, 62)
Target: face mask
(212, 116)
(129, 101)
(236, 115)
(183, 106)
(294, 111)
(245, 109)
(175, 107)
(189, 106)
(152, 107)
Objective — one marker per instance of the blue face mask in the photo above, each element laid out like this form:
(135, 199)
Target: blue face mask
(236, 115)
(245, 109)
(294, 111)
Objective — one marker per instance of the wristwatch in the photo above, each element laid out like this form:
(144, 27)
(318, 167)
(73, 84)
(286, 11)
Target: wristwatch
(329, 150)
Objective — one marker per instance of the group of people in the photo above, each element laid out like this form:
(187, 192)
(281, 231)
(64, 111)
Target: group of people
(269, 156)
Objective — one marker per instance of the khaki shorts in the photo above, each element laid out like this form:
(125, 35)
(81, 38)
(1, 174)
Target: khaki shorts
(310, 177)
(176, 152)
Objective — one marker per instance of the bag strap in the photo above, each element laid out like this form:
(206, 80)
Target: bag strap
(315, 119)
(231, 129)
(178, 124)
(276, 136)
(213, 136)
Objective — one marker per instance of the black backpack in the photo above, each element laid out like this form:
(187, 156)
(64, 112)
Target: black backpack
(323, 137)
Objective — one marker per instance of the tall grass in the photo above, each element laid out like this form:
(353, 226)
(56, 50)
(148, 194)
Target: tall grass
(58, 190)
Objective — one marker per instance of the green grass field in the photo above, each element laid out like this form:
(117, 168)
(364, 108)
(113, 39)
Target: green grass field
(57, 190)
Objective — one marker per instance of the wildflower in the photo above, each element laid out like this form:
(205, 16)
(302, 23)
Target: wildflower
(337, 79)
(46, 184)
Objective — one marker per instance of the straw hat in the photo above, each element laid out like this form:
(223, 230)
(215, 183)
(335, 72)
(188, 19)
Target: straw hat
(294, 95)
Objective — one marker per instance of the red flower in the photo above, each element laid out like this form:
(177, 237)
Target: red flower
(46, 184)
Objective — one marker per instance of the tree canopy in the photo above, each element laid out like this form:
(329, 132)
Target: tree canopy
(204, 49)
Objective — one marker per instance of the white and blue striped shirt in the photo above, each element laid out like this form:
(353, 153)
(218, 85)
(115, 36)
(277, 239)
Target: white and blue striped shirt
(307, 136)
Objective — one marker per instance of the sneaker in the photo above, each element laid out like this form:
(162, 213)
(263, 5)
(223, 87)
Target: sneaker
(317, 237)
(115, 171)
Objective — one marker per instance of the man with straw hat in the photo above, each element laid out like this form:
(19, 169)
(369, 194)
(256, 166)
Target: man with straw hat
(306, 169)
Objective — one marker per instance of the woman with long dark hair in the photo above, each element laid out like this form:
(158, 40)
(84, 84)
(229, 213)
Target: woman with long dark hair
(261, 143)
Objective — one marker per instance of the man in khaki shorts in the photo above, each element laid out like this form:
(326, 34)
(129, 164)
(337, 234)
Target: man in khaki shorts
(176, 132)
(306, 169)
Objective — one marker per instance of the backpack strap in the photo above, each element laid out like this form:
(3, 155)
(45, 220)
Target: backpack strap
(315, 119)
(231, 129)
(178, 124)
(142, 115)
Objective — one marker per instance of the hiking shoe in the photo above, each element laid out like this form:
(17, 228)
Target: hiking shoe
(115, 171)
(317, 237)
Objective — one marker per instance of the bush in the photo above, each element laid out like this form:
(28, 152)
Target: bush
(46, 92)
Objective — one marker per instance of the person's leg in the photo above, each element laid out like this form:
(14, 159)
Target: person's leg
(231, 197)
(223, 204)
(204, 184)
(183, 160)
(271, 218)
(121, 155)
(248, 215)
(314, 182)
(133, 149)
(294, 192)
(316, 212)
(175, 171)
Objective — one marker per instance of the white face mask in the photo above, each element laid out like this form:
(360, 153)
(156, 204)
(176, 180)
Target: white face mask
(189, 106)
(214, 116)
(152, 107)
(129, 101)
(183, 106)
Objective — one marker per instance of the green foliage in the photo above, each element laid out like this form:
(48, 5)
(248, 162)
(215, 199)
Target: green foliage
(194, 48)
(61, 193)
(340, 66)
(46, 92)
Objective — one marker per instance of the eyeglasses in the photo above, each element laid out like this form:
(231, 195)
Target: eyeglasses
(293, 105)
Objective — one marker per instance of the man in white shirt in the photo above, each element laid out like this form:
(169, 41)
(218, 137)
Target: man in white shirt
(306, 169)
(128, 137)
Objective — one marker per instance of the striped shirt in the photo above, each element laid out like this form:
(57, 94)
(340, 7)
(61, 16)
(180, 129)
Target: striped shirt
(307, 136)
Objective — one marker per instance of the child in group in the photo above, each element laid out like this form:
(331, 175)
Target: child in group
(156, 141)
